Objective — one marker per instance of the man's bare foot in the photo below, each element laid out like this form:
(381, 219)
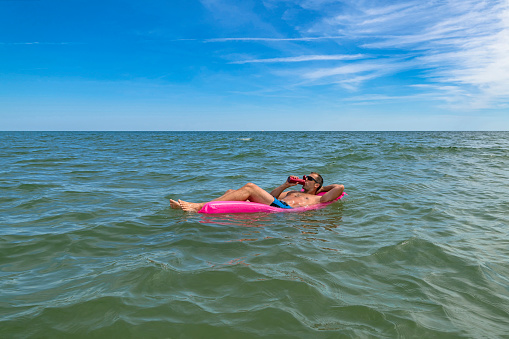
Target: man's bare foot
(175, 205)
(190, 206)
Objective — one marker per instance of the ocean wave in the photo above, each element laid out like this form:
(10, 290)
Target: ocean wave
(89, 245)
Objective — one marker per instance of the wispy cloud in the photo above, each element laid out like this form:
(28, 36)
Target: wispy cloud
(38, 43)
(458, 48)
(353, 75)
(303, 58)
(462, 45)
(274, 39)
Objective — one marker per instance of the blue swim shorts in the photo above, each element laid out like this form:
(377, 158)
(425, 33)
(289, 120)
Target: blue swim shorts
(280, 204)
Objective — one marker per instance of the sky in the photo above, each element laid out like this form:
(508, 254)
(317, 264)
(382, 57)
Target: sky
(349, 65)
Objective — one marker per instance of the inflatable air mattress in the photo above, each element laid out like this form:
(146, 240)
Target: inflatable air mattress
(253, 207)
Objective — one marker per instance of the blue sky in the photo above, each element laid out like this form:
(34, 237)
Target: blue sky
(254, 65)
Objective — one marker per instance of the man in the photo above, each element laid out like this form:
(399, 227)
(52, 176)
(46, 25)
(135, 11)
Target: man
(277, 197)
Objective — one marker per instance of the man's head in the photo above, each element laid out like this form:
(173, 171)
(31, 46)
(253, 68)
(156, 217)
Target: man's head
(314, 182)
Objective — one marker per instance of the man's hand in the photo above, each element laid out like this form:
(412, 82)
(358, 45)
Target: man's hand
(290, 184)
(276, 192)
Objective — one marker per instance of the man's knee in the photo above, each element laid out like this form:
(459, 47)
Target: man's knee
(250, 186)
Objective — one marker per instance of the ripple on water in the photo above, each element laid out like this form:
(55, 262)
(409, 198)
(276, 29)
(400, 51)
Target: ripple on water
(90, 247)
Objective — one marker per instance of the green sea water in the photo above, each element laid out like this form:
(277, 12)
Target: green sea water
(90, 248)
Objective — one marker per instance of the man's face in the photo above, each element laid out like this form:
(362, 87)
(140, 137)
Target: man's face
(311, 182)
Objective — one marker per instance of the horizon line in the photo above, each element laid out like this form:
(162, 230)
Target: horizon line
(219, 131)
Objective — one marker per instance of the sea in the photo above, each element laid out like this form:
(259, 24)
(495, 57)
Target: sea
(90, 248)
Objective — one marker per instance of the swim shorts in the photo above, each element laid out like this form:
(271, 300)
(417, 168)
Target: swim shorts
(280, 204)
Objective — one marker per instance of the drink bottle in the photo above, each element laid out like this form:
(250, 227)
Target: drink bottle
(298, 181)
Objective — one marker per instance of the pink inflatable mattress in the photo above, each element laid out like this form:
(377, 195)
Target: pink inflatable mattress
(253, 207)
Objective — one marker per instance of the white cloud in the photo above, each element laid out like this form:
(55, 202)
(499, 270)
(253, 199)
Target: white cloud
(458, 47)
(273, 39)
(458, 43)
(39, 43)
(353, 74)
(303, 58)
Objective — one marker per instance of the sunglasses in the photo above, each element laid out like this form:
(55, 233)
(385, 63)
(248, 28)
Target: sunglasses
(310, 178)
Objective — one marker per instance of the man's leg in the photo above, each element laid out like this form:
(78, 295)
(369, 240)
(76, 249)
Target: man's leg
(176, 205)
(249, 192)
(227, 192)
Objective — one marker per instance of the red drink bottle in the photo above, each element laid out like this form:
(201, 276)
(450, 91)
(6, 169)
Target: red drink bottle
(295, 180)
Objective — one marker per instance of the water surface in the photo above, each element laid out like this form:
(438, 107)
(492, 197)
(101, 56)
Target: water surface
(89, 246)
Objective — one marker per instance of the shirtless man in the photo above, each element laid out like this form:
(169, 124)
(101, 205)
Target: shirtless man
(277, 197)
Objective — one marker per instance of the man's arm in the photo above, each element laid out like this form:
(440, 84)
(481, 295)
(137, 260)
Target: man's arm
(276, 192)
(333, 192)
